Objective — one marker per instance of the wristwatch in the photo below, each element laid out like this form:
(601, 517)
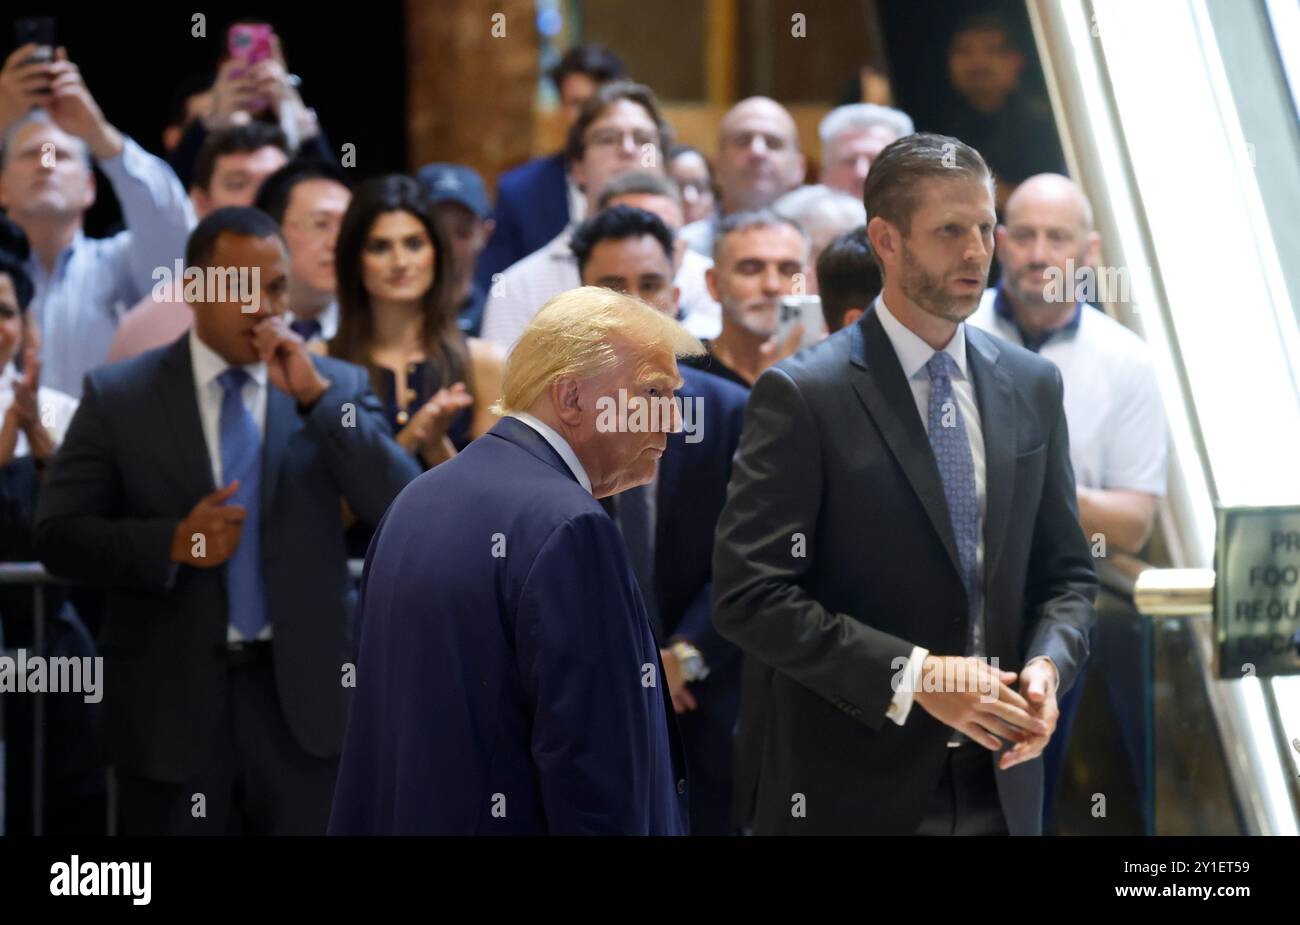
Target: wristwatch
(691, 660)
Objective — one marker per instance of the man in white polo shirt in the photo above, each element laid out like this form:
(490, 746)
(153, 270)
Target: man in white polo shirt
(1118, 437)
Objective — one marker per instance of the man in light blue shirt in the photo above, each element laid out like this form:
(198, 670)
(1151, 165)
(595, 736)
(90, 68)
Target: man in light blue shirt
(83, 285)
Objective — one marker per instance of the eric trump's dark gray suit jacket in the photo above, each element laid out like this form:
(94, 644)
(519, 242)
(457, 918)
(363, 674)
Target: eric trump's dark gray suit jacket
(133, 465)
(833, 450)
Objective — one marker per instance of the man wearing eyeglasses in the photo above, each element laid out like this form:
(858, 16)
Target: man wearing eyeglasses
(619, 129)
(308, 199)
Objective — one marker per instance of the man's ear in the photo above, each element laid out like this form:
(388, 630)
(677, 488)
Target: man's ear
(1017, 64)
(89, 199)
(1092, 250)
(199, 197)
(884, 239)
(999, 239)
(566, 400)
(711, 280)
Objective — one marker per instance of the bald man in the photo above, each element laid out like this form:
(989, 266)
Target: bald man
(758, 160)
(1049, 249)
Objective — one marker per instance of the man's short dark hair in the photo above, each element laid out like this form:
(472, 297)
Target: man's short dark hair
(893, 187)
(985, 22)
(244, 221)
(618, 223)
(235, 139)
(13, 268)
(639, 183)
(277, 190)
(743, 221)
(847, 276)
(595, 61)
(605, 96)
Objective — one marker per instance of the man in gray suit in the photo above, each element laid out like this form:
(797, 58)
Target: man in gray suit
(201, 484)
(901, 530)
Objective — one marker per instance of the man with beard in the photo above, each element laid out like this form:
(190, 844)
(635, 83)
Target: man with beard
(758, 257)
(901, 530)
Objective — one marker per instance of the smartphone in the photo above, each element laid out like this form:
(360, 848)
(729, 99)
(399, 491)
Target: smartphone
(37, 29)
(249, 42)
(805, 310)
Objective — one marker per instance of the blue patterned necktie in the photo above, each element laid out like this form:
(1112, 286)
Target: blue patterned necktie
(241, 458)
(957, 470)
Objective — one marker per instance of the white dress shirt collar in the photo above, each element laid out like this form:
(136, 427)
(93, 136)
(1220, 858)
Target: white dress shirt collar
(208, 364)
(914, 353)
(559, 444)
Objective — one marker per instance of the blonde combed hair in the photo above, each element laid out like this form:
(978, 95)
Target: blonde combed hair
(576, 334)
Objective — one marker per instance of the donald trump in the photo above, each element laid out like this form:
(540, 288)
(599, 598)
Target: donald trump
(507, 679)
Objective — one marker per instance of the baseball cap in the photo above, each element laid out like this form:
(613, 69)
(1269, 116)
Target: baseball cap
(455, 183)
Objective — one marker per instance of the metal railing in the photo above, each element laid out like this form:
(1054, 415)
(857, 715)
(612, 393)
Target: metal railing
(1249, 747)
(35, 575)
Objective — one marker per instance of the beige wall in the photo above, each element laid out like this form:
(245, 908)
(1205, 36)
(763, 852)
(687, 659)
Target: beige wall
(469, 94)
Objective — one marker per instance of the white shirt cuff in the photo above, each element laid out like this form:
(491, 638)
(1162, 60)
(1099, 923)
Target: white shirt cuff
(901, 704)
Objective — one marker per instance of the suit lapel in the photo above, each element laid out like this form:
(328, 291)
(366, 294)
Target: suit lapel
(181, 407)
(996, 398)
(878, 379)
(281, 421)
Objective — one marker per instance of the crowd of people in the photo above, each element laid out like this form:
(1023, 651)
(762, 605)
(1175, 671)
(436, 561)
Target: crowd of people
(201, 465)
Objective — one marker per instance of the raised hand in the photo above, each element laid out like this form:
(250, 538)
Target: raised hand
(288, 361)
(73, 109)
(23, 84)
(428, 426)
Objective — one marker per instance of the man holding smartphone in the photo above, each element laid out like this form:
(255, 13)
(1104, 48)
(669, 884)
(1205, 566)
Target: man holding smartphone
(50, 128)
(758, 258)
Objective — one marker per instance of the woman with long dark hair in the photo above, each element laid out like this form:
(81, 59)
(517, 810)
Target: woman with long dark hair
(396, 319)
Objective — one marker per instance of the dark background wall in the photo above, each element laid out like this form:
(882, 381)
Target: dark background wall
(135, 59)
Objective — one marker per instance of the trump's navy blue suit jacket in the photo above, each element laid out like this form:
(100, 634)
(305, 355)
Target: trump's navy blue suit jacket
(532, 208)
(508, 681)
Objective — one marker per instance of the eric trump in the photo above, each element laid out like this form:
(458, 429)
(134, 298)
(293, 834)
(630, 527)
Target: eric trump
(902, 505)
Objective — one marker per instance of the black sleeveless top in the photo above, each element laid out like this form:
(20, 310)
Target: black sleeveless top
(423, 379)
